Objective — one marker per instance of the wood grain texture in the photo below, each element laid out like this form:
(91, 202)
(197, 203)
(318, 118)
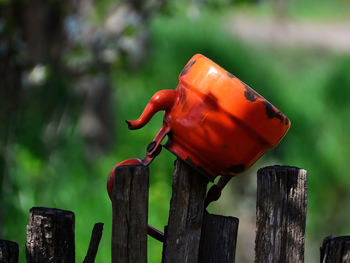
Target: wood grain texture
(281, 214)
(130, 214)
(8, 251)
(218, 239)
(182, 235)
(94, 243)
(50, 236)
(335, 250)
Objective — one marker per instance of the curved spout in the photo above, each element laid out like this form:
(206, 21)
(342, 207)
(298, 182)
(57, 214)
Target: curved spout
(161, 100)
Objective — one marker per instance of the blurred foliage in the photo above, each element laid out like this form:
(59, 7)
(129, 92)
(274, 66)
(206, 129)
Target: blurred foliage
(310, 10)
(47, 165)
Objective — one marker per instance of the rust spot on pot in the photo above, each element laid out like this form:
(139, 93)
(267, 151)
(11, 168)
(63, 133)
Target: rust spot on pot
(271, 112)
(187, 67)
(250, 94)
(286, 121)
(231, 75)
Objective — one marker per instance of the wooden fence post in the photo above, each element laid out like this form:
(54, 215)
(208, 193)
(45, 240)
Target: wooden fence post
(218, 239)
(50, 236)
(281, 214)
(130, 214)
(94, 242)
(182, 237)
(8, 251)
(335, 250)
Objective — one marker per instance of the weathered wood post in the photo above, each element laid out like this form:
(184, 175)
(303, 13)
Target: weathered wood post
(182, 235)
(281, 214)
(218, 239)
(8, 251)
(130, 214)
(335, 250)
(50, 236)
(94, 242)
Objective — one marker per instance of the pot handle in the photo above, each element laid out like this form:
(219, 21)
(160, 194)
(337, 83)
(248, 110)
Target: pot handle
(153, 232)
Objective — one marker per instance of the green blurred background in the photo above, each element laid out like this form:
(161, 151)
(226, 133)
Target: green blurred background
(73, 71)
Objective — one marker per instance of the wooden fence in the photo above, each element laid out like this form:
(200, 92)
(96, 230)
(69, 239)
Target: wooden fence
(192, 234)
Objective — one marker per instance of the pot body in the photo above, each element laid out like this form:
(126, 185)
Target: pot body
(218, 124)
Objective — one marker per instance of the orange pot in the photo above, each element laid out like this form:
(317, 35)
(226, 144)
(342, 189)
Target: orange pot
(214, 122)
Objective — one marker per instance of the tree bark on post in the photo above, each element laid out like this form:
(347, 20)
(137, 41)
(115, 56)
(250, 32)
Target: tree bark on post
(335, 249)
(218, 239)
(182, 237)
(50, 236)
(130, 214)
(8, 251)
(281, 214)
